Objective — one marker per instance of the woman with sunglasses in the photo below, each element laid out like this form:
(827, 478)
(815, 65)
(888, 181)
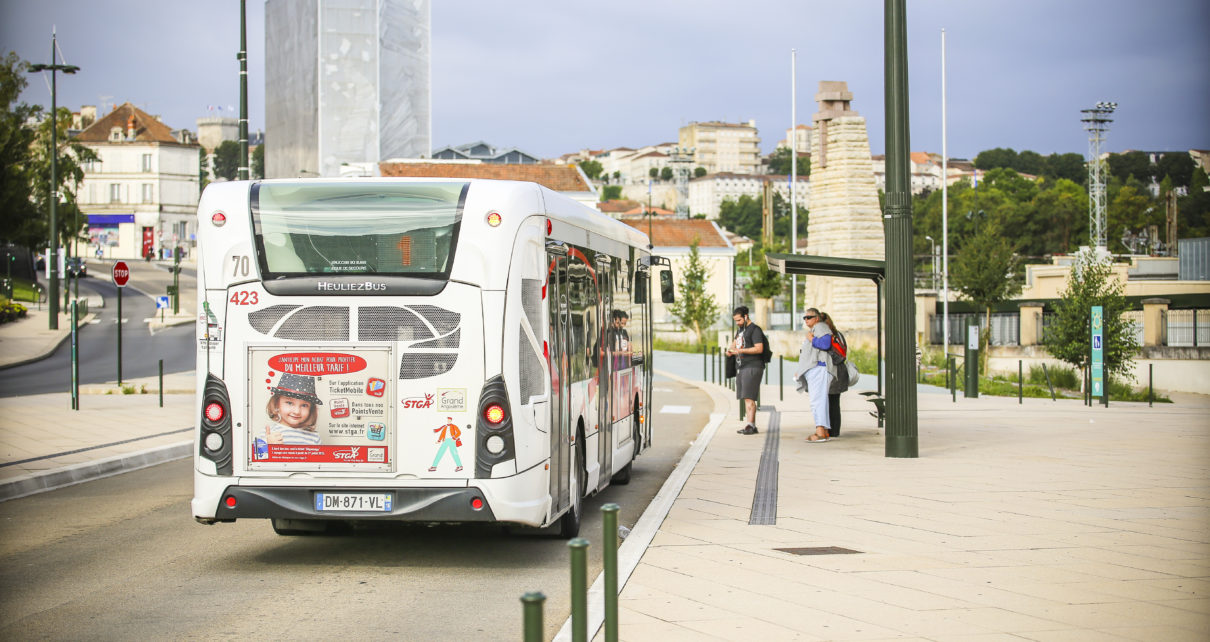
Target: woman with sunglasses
(816, 367)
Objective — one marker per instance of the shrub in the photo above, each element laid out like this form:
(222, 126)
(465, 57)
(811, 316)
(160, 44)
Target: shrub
(10, 311)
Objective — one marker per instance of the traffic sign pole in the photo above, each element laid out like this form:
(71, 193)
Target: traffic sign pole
(121, 276)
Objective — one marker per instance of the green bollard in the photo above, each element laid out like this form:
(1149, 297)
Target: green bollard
(1020, 382)
(1048, 384)
(954, 379)
(609, 556)
(531, 608)
(705, 362)
(1150, 379)
(781, 378)
(161, 383)
(579, 589)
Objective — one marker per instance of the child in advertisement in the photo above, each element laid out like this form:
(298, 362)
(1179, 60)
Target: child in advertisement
(291, 410)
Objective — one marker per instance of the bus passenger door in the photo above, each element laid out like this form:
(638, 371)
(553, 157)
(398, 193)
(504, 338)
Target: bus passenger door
(604, 357)
(560, 378)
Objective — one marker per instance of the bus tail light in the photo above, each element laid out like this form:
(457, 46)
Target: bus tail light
(494, 442)
(494, 414)
(215, 425)
(477, 503)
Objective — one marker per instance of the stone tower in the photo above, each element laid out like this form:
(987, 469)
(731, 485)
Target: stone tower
(845, 219)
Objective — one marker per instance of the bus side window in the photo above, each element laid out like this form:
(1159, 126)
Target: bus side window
(640, 286)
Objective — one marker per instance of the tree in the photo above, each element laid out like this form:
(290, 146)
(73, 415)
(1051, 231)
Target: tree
(653, 173)
(1063, 205)
(1135, 164)
(611, 192)
(69, 173)
(1070, 166)
(1068, 336)
(1176, 165)
(987, 271)
(741, 216)
(694, 307)
(18, 216)
(258, 162)
(591, 168)
(998, 157)
(1130, 210)
(699, 172)
(666, 173)
(226, 160)
(779, 162)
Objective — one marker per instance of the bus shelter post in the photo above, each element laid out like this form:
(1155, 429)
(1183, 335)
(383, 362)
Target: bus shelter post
(579, 589)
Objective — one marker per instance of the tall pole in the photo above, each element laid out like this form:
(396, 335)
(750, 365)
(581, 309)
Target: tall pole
(793, 183)
(243, 91)
(945, 219)
(53, 251)
(901, 434)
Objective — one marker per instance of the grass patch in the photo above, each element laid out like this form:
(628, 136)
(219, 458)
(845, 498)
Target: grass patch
(677, 346)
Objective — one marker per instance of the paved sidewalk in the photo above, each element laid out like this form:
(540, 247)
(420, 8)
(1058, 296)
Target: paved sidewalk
(44, 444)
(1040, 521)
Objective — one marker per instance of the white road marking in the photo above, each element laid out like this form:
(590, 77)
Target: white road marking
(675, 410)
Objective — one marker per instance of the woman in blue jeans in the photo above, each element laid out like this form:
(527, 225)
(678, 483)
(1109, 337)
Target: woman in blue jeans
(815, 362)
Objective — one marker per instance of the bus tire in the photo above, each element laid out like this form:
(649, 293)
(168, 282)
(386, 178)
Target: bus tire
(294, 527)
(569, 523)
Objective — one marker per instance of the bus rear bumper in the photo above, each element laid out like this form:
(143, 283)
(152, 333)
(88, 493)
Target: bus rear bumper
(521, 499)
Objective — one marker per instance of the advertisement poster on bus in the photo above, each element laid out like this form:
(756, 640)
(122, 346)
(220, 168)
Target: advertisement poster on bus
(321, 409)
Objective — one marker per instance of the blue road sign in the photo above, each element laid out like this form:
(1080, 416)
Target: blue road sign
(161, 302)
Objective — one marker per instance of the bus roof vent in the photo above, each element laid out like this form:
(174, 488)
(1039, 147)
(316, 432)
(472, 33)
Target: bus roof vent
(531, 369)
(531, 300)
(316, 323)
(390, 323)
(442, 320)
(264, 320)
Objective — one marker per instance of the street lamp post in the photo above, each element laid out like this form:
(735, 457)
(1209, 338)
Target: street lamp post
(53, 258)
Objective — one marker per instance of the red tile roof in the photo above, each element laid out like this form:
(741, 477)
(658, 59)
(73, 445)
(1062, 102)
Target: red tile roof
(560, 178)
(680, 233)
(147, 128)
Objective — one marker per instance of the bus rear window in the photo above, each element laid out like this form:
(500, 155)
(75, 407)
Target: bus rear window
(351, 228)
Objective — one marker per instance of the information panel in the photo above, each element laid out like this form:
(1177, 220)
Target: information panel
(1097, 324)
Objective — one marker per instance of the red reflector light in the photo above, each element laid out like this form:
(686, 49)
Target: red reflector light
(215, 411)
(494, 413)
(548, 226)
(477, 503)
(230, 501)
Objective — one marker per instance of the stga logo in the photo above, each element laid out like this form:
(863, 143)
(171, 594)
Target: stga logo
(417, 403)
(347, 455)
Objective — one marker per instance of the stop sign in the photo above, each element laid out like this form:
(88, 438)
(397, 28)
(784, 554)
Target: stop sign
(121, 274)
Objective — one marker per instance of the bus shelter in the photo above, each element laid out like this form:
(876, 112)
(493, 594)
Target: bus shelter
(839, 267)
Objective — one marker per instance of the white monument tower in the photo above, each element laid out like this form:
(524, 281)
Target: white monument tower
(845, 219)
(346, 82)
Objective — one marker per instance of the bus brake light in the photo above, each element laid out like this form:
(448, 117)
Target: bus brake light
(215, 412)
(494, 413)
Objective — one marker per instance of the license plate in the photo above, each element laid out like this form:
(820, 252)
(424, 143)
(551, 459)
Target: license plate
(358, 502)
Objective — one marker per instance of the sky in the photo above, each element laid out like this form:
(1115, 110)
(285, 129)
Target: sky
(555, 77)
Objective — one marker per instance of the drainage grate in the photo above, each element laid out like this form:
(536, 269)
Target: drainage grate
(818, 550)
(764, 500)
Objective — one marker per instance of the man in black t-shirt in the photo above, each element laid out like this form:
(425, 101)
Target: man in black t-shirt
(747, 348)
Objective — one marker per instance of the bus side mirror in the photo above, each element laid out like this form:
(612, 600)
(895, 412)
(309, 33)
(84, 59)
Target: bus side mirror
(640, 287)
(666, 292)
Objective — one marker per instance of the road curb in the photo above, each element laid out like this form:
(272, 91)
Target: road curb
(88, 471)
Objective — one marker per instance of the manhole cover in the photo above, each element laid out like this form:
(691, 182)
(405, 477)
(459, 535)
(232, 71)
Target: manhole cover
(818, 550)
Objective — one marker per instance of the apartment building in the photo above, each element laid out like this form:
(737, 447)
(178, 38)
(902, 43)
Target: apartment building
(707, 193)
(804, 136)
(142, 195)
(723, 147)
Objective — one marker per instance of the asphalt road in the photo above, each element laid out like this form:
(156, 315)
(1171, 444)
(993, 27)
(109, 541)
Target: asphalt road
(98, 353)
(122, 558)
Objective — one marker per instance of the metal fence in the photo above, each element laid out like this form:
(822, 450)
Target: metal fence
(1186, 328)
(1006, 328)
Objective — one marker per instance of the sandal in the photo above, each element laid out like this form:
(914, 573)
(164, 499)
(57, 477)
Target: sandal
(815, 439)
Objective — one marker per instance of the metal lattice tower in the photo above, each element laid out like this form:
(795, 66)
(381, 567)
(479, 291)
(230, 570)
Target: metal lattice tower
(1096, 122)
(681, 162)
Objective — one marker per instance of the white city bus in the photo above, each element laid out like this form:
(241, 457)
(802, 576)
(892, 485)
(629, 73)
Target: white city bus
(416, 349)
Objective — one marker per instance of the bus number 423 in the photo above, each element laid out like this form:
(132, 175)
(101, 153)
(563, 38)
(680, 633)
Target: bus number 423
(244, 297)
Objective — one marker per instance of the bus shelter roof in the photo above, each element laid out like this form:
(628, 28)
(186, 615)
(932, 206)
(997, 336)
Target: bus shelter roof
(826, 266)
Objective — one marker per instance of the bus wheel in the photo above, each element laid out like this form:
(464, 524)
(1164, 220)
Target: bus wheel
(569, 523)
(292, 527)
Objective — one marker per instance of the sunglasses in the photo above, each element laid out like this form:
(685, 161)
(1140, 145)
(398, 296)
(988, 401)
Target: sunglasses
(808, 316)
